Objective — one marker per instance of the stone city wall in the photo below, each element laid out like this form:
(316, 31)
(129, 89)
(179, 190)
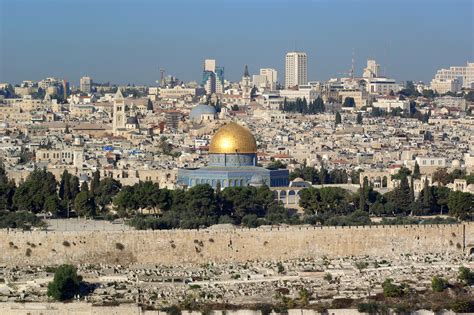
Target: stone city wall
(229, 245)
(133, 309)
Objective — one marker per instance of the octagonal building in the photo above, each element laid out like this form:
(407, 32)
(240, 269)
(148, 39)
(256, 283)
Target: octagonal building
(232, 162)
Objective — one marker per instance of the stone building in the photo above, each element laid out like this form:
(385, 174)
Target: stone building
(232, 162)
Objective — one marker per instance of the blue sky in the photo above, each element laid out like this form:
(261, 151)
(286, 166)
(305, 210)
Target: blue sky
(128, 41)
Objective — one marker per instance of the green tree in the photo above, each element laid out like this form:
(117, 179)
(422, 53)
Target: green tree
(277, 164)
(427, 197)
(107, 189)
(33, 192)
(84, 204)
(323, 175)
(18, 220)
(84, 187)
(416, 171)
(52, 205)
(401, 197)
(7, 190)
(338, 118)
(429, 94)
(95, 182)
(441, 176)
(362, 194)
(66, 283)
(359, 118)
(64, 186)
(73, 187)
(461, 205)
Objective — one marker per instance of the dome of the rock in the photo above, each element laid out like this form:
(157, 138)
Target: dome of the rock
(231, 139)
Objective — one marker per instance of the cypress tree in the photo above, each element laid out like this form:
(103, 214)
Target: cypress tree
(73, 187)
(362, 201)
(412, 190)
(64, 190)
(416, 171)
(95, 182)
(84, 187)
(338, 118)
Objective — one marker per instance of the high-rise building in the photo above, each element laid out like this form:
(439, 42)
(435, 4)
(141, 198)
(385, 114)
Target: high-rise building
(212, 77)
(85, 84)
(372, 70)
(267, 79)
(463, 74)
(210, 65)
(65, 89)
(296, 69)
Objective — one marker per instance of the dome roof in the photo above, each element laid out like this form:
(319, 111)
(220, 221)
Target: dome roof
(233, 138)
(256, 180)
(298, 180)
(202, 109)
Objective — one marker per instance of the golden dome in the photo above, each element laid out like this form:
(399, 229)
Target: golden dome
(233, 138)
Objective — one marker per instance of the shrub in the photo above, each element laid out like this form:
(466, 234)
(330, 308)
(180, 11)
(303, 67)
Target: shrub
(462, 305)
(361, 265)
(119, 246)
(264, 308)
(390, 289)
(371, 308)
(19, 220)
(172, 310)
(280, 267)
(438, 284)
(66, 243)
(466, 275)
(28, 252)
(66, 283)
(50, 269)
(328, 277)
(342, 303)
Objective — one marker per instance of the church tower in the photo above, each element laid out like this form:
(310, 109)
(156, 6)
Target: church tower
(118, 112)
(246, 86)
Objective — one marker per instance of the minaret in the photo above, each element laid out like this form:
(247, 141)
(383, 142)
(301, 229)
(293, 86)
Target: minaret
(118, 112)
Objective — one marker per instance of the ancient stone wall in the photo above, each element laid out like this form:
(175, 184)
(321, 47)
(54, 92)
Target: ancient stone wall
(229, 245)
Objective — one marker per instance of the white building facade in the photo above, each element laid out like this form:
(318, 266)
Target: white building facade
(296, 69)
(463, 74)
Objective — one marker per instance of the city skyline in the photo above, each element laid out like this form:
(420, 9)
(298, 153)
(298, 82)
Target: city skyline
(107, 49)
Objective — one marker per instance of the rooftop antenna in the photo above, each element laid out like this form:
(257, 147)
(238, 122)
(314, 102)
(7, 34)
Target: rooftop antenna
(352, 66)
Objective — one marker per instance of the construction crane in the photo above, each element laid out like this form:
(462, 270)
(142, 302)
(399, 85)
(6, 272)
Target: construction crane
(351, 71)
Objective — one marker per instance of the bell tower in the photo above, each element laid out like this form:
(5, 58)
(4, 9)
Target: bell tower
(118, 112)
(246, 86)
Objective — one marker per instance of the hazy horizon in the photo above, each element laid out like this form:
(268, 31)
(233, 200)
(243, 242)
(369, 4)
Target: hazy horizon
(128, 41)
